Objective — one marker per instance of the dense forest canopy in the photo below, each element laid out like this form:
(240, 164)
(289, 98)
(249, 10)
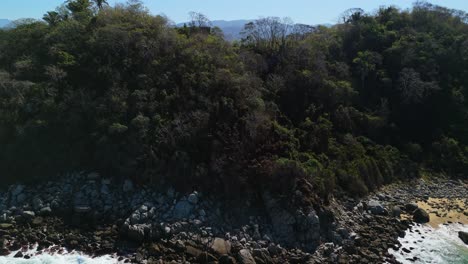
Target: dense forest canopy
(377, 98)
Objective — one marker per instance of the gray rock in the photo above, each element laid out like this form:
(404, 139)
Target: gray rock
(375, 207)
(82, 209)
(420, 216)
(28, 215)
(45, 211)
(17, 190)
(262, 255)
(182, 209)
(308, 229)
(343, 232)
(37, 204)
(245, 257)
(127, 186)
(275, 249)
(193, 198)
(20, 198)
(396, 211)
(463, 236)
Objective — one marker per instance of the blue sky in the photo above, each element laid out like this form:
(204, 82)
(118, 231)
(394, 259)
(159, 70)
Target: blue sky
(301, 11)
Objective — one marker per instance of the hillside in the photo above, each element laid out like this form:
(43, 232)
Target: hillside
(121, 133)
(349, 108)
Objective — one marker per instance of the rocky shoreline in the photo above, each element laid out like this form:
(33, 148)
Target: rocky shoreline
(94, 215)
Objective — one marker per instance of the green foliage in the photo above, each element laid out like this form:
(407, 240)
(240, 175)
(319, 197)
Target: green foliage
(350, 107)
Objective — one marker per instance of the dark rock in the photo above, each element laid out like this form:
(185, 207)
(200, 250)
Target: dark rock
(182, 209)
(227, 260)
(343, 232)
(46, 211)
(206, 257)
(274, 249)
(193, 198)
(4, 252)
(154, 250)
(411, 207)
(127, 186)
(18, 254)
(420, 216)
(136, 233)
(463, 236)
(262, 256)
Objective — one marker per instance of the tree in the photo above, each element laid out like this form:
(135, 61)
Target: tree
(100, 3)
(366, 62)
(79, 8)
(199, 20)
(412, 88)
(268, 33)
(352, 14)
(52, 18)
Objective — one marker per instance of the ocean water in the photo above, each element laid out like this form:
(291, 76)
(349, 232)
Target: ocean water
(440, 245)
(54, 258)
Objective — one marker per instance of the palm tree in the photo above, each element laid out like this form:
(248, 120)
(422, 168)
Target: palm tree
(52, 18)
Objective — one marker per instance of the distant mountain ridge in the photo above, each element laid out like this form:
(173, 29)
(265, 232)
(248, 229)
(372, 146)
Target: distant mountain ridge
(4, 22)
(231, 28)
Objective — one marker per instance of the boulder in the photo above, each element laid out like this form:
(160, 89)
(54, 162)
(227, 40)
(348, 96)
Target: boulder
(127, 186)
(262, 255)
(221, 246)
(420, 216)
(193, 198)
(45, 211)
(245, 257)
(136, 233)
(206, 257)
(410, 207)
(17, 190)
(4, 251)
(37, 204)
(396, 211)
(182, 209)
(463, 236)
(28, 215)
(227, 260)
(376, 208)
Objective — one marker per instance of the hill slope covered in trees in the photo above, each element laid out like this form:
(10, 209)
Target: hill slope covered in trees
(378, 98)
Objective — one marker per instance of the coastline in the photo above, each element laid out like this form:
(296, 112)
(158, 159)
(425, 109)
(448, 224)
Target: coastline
(165, 226)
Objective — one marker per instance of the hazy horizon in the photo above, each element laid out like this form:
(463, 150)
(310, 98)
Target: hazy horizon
(300, 11)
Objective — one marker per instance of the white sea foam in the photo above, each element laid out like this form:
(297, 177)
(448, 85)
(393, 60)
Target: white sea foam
(433, 245)
(64, 257)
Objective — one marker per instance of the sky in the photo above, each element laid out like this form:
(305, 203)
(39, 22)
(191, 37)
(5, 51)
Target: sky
(301, 11)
